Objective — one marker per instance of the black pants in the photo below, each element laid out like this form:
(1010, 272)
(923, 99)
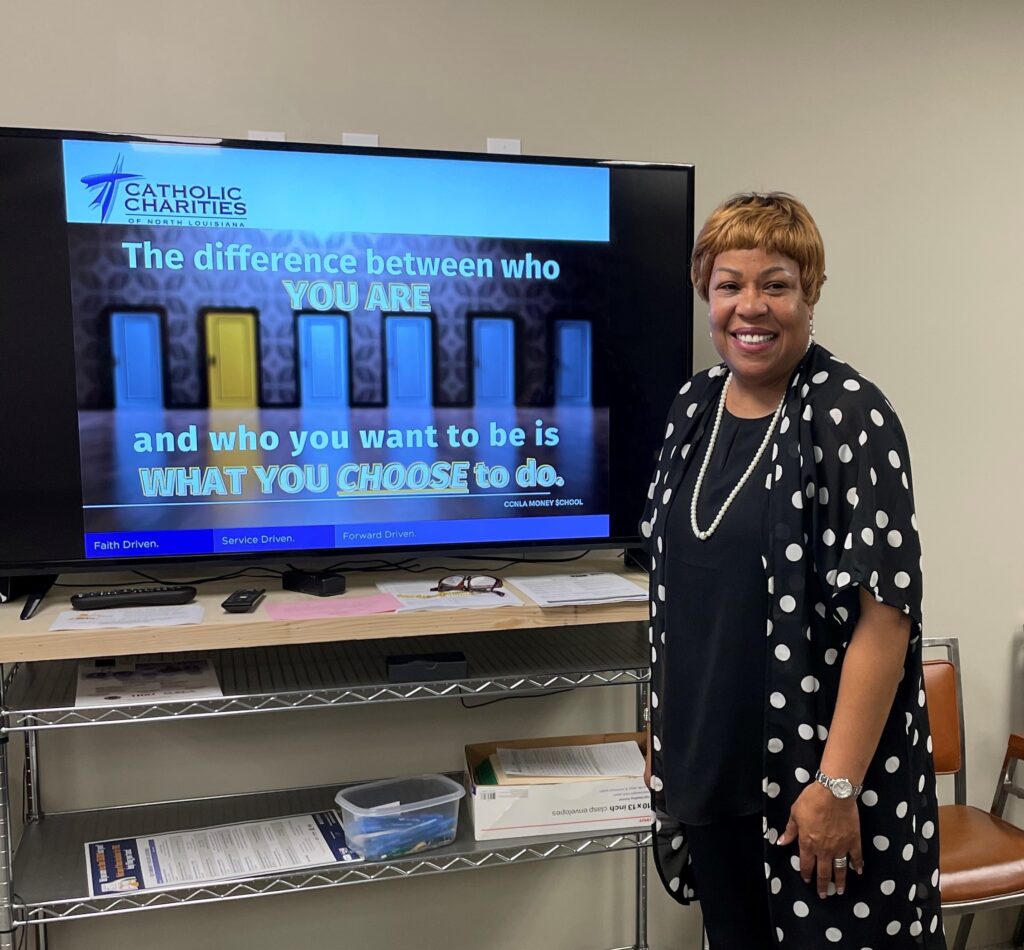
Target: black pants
(728, 863)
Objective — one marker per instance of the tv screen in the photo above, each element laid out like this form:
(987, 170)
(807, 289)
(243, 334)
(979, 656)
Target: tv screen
(228, 349)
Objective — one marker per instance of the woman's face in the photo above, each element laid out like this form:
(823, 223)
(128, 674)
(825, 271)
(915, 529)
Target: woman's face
(760, 322)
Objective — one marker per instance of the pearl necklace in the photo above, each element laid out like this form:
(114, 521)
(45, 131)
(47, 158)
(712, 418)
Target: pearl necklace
(704, 535)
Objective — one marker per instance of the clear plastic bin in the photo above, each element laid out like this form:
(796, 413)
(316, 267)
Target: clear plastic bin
(400, 815)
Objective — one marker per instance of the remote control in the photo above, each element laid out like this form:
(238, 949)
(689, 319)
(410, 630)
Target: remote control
(244, 600)
(134, 597)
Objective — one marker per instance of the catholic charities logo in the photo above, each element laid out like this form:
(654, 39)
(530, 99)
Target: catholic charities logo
(147, 202)
(106, 187)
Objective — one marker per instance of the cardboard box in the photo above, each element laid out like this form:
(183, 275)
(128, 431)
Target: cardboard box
(517, 811)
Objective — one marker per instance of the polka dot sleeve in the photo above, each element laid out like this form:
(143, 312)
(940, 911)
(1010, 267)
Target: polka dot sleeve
(679, 428)
(865, 528)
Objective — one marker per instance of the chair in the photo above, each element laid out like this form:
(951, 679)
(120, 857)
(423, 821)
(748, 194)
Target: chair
(981, 856)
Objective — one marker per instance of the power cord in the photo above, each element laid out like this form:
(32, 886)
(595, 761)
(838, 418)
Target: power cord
(417, 568)
(410, 565)
(243, 572)
(501, 699)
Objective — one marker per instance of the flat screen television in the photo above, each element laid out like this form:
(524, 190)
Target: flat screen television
(228, 349)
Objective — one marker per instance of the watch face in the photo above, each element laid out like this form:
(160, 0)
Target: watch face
(842, 788)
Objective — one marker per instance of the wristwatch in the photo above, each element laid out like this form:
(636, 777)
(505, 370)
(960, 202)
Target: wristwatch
(840, 787)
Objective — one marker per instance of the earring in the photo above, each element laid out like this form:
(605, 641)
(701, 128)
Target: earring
(812, 326)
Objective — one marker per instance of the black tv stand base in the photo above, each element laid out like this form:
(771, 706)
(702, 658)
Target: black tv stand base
(636, 557)
(34, 587)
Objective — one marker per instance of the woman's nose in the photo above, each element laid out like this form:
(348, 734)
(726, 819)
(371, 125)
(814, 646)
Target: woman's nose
(751, 301)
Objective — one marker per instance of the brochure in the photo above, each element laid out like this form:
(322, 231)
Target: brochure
(126, 682)
(222, 853)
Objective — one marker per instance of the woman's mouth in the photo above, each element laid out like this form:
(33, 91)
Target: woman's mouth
(753, 341)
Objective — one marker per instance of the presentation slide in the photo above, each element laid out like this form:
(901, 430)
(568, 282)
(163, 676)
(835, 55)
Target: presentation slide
(295, 350)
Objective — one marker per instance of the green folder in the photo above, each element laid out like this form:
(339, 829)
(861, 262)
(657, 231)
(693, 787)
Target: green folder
(483, 774)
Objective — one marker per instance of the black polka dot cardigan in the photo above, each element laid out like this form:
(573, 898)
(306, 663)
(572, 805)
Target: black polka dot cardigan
(841, 517)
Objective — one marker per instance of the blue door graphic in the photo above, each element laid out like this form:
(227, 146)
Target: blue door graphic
(138, 363)
(410, 361)
(323, 360)
(494, 366)
(572, 362)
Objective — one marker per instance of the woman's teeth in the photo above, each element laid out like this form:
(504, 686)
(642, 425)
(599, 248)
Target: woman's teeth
(755, 337)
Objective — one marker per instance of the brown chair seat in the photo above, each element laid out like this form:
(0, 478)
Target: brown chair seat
(980, 855)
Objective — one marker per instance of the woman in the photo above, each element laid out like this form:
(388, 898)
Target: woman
(790, 741)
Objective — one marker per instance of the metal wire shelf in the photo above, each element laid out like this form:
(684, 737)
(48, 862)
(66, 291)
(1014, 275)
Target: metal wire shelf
(316, 676)
(51, 874)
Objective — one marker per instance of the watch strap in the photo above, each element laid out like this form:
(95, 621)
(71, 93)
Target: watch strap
(822, 779)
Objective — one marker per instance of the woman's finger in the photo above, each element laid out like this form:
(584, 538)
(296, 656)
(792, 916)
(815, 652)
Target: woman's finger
(791, 832)
(856, 856)
(839, 872)
(824, 874)
(806, 862)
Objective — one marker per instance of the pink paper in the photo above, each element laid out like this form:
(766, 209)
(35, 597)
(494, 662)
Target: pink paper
(332, 607)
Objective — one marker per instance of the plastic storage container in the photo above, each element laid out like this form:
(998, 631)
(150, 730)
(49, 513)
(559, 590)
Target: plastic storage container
(400, 815)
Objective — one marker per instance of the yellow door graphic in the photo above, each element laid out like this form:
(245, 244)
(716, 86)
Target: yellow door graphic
(231, 359)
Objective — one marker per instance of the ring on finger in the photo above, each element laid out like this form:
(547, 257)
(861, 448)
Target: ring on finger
(840, 862)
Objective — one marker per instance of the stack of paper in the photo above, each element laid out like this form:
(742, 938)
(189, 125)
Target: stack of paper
(563, 590)
(575, 763)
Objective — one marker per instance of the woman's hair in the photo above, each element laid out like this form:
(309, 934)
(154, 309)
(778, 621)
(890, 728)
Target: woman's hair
(776, 223)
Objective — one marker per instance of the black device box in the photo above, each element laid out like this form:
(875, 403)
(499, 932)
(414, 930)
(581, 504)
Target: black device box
(317, 583)
(11, 588)
(426, 667)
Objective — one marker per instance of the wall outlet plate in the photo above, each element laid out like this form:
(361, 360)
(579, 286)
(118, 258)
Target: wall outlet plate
(362, 139)
(505, 146)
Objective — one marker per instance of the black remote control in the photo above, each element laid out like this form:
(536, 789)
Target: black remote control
(134, 597)
(244, 600)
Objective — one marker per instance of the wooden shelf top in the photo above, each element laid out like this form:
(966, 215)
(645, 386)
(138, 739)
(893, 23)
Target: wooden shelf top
(31, 640)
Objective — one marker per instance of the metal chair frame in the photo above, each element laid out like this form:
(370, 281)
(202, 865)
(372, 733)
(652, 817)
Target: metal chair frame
(1004, 788)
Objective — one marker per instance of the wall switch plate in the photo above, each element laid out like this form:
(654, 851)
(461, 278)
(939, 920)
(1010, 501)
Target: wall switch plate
(505, 146)
(362, 139)
(257, 136)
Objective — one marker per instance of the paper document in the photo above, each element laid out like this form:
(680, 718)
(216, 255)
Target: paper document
(417, 595)
(222, 853)
(124, 617)
(564, 590)
(125, 682)
(602, 760)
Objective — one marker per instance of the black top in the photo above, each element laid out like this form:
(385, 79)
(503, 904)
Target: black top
(716, 603)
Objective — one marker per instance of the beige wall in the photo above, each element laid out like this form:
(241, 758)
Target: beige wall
(898, 123)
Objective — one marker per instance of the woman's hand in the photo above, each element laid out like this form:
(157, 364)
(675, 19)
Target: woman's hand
(827, 828)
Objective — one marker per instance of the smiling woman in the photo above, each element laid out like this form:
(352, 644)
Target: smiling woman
(781, 761)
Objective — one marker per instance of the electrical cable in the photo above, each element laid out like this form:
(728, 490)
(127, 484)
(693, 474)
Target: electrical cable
(268, 572)
(410, 565)
(501, 699)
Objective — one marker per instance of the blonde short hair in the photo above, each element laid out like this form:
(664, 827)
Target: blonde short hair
(774, 222)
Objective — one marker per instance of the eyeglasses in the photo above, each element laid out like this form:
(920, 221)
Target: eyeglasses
(472, 583)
